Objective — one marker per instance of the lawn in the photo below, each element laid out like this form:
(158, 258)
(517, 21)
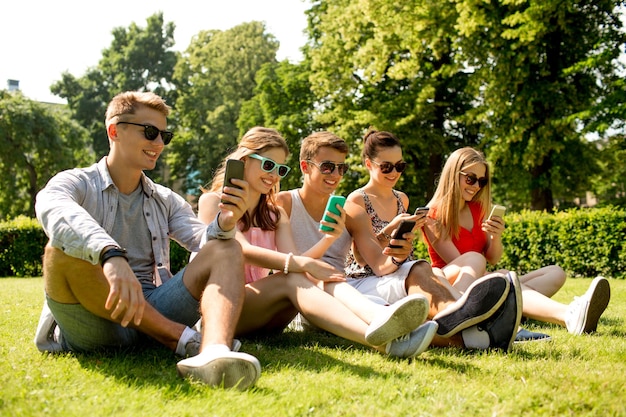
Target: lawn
(313, 374)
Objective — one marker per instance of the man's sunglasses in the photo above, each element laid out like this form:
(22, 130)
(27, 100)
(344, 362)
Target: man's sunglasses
(471, 179)
(268, 165)
(327, 167)
(152, 132)
(386, 167)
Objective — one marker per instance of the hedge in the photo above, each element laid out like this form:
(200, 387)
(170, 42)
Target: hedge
(584, 242)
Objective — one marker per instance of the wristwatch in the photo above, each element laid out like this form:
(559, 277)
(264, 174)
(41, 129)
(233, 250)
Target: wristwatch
(112, 252)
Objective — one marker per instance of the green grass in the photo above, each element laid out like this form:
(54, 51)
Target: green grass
(320, 375)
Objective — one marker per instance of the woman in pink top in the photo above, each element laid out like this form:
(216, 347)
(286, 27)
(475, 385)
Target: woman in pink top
(457, 225)
(280, 282)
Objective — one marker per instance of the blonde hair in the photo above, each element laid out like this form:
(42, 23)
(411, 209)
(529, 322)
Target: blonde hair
(129, 101)
(447, 198)
(256, 140)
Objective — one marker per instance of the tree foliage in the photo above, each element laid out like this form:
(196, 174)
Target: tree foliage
(214, 77)
(138, 59)
(37, 140)
(283, 100)
(512, 78)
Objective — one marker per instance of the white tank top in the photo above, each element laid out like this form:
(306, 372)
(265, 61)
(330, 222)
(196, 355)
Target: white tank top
(306, 234)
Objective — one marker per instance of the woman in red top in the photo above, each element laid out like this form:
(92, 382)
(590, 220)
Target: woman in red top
(457, 225)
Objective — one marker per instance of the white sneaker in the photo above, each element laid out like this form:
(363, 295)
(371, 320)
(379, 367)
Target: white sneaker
(414, 343)
(192, 347)
(398, 319)
(584, 312)
(48, 336)
(222, 369)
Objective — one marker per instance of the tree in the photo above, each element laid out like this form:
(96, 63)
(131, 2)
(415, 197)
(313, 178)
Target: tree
(392, 66)
(538, 70)
(283, 100)
(214, 76)
(138, 59)
(37, 140)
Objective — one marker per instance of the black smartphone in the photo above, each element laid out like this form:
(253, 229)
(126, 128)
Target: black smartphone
(234, 169)
(405, 227)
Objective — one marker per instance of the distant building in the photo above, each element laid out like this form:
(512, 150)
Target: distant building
(13, 85)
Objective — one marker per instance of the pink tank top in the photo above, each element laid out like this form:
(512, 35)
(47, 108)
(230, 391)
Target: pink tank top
(263, 239)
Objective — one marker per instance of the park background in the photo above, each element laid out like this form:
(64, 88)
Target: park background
(537, 86)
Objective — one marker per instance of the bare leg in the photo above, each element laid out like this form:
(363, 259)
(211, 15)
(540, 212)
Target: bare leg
(216, 278)
(547, 280)
(69, 280)
(365, 309)
(274, 294)
(465, 269)
(537, 306)
(423, 280)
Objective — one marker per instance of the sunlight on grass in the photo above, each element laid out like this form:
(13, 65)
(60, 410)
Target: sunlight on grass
(317, 374)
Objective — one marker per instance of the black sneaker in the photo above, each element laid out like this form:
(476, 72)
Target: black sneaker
(478, 303)
(503, 324)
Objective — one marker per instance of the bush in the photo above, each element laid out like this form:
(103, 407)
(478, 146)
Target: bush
(21, 247)
(584, 242)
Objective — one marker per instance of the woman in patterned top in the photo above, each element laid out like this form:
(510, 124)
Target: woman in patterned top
(281, 282)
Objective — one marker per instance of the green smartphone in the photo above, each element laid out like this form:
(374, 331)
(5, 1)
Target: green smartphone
(331, 206)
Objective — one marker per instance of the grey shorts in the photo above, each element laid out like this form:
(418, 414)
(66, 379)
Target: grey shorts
(84, 331)
(390, 288)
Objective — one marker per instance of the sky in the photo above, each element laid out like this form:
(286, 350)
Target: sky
(41, 39)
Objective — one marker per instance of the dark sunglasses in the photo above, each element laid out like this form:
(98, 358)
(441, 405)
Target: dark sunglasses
(268, 165)
(386, 167)
(471, 179)
(152, 132)
(327, 167)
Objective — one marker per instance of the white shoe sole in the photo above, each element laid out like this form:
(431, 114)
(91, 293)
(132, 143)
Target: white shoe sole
(408, 313)
(231, 370)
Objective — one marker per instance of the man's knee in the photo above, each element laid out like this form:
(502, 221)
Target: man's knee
(218, 251)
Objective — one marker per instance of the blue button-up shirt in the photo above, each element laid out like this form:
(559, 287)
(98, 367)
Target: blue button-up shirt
(77, 211)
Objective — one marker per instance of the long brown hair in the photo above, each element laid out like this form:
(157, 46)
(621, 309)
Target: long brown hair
(447, 197)
(256, 140)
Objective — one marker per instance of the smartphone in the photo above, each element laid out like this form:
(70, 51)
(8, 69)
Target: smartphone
(405, 227)
(332, 207)
(234, 169)
(422, 211)
(497, 211)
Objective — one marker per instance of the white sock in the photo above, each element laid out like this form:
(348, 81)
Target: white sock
(215, 349)
(475, 339)
(184, 338)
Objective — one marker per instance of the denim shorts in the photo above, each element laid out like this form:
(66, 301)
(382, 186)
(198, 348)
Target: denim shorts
(83, 331)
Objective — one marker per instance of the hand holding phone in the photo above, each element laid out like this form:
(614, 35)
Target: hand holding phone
(497, 211)
(405, 227)
(332, 207)
(234, 169)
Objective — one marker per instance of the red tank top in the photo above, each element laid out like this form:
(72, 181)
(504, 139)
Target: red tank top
(474, 240)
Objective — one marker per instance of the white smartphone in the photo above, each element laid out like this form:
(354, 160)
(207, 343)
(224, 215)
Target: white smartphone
(497, 211)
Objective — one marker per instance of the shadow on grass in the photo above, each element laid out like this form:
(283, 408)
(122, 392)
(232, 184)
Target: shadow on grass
(154, 365)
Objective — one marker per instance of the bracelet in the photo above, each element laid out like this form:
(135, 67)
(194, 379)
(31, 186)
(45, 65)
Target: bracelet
(383, 234)
(111, 253)
(396, 263)
(287, 259)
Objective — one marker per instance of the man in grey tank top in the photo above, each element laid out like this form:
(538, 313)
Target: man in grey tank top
(491, 303)
(107, 265)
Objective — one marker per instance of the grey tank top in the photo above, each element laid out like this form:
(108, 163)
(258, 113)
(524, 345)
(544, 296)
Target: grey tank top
(306, 234)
